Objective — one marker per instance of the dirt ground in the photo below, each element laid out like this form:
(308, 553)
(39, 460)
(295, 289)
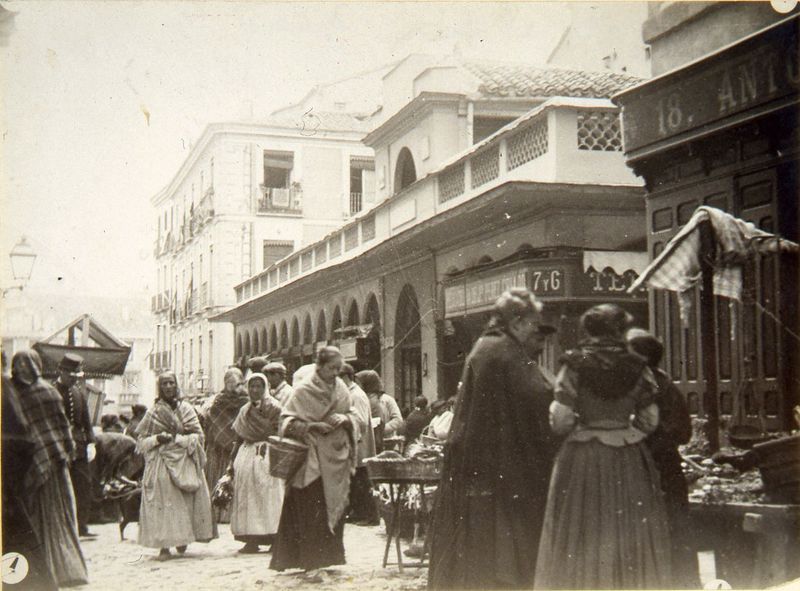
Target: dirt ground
(121, 565)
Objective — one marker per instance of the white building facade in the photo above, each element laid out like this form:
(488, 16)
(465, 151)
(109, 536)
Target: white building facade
(247, 196)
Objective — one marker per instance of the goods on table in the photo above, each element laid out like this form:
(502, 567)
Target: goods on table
(390, 465)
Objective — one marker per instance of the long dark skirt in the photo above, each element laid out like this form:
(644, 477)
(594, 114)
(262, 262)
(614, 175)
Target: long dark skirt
(484, 541)
(216, 463)
(303, 539)
(605, 526)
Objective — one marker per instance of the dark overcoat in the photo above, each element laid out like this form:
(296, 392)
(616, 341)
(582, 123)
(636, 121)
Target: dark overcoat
(491, 499)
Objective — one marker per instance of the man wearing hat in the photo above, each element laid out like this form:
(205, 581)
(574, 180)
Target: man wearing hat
(278, 387)
(76, 407)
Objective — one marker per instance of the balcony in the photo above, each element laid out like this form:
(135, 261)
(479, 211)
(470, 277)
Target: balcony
(281, 200)
(565, 141)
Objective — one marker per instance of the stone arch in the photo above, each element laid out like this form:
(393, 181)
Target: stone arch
(353, 317)
(273, 339)
(308, 331)
(372, 311)
(284, 342)
(336, 321)
(322, 327)
(264, 348)
(246, 347)
(295, 336)
(405, 172)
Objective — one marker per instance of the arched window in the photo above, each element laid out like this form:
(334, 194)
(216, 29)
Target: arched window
(373, 313)
(405, 172)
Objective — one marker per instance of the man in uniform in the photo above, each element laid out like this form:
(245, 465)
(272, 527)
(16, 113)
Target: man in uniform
(276, 376)
(76, 407)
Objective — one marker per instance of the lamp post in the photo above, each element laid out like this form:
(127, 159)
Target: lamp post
(22, 259)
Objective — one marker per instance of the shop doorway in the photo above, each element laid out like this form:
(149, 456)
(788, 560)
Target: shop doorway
(408, 348)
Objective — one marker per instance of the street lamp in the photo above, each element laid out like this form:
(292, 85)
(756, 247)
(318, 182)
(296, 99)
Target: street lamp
(22, 259)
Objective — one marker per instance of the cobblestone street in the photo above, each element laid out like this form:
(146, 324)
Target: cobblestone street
(126, 565)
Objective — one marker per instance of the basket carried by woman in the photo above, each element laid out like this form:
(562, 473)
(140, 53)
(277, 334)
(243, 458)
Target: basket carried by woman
(285, 457)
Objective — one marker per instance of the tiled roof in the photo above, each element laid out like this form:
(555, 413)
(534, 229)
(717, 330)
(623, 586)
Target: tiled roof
(521, 80)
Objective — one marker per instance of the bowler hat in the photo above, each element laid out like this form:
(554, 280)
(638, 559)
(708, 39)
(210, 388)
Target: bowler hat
(71, 363)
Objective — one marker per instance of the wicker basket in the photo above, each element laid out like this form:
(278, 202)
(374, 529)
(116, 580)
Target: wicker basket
(285, 457)
(406, 469)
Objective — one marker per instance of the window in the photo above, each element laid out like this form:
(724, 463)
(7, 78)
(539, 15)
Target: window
(200, 352)
(362, 183)
(278, 169)
(275, 250)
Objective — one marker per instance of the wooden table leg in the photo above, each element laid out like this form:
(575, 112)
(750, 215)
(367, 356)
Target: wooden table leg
(390, 531)
(397, 530)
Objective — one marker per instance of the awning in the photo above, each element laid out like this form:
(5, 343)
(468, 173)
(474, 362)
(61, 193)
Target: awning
(98, 362)
(677, 268)
(617, 261)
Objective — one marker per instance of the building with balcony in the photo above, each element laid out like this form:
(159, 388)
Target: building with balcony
(488, 177)
(248, 195)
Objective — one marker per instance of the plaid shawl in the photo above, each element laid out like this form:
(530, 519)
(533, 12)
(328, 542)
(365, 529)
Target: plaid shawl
(218, 419)
(162, 419)
(49, 429)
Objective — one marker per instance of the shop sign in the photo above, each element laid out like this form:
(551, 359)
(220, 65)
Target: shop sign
(478, 293)
(760, 70)
(607, 281)
(549, 281)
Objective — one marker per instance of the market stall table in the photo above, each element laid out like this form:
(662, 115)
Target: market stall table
(399, 474)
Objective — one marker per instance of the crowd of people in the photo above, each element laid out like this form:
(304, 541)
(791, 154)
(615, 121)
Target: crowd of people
(566, 482)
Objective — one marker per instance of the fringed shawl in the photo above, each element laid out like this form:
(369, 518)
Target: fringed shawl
(162, 419)
(331, 456)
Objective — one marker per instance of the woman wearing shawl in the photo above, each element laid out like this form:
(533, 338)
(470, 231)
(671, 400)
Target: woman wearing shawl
(605, 525)
(217, 420)
(46, 486)
(488, 509)
(320, 413)
(176, 508)
(257, 496)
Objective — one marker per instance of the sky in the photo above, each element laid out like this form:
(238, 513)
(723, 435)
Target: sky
(101, 102)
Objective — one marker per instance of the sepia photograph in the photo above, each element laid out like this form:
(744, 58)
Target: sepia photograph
(400, 295)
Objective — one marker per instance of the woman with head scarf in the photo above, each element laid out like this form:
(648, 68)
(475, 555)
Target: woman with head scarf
(488, 508)
(176, 507)
(319, 413)
(605, 525)
(257, 496)
(217, 420)
(45, 485)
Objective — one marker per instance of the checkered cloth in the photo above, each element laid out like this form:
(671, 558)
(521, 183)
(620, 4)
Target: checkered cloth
(677, 268)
